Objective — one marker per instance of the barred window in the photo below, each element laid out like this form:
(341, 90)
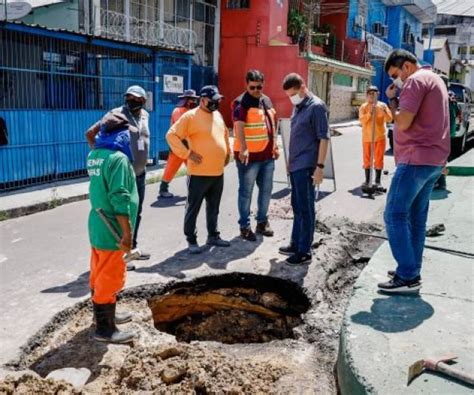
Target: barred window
(67, 75)
(237, 4)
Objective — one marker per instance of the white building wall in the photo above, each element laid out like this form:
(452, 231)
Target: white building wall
(442, 61)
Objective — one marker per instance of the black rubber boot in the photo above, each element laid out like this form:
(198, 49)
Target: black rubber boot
(378, 176)
(378, 182)
(367, 176)
(120, 318)
(164, 186)
(106, 331)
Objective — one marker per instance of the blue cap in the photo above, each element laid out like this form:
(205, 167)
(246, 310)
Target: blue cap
(211, 92)
(136, 90)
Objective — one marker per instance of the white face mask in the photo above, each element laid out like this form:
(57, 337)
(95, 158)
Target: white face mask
(398, 82)
(296, 99)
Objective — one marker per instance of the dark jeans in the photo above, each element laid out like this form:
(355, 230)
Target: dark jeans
(302, 202)
(200, 188)
(261, 173)
(141, 195)
(406, 214)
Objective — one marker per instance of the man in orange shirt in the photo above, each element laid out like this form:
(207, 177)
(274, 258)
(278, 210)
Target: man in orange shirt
(208, 151)
(382, 116)
(187, 101)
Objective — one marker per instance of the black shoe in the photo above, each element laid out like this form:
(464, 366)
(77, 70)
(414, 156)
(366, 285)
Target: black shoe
(165, 195)
(247, 234)
(216, 241)
(264, 229)
(287, 250)
(193, 248)
(397, 285)
(130, 267)
(391, 274)
(298, 259)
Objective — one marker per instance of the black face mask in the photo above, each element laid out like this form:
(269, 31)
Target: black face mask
(133, 105)
(212, 105)
(191, 104)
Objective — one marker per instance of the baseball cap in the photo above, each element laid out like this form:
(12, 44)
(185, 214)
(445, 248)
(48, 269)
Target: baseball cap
(191, 93)
(372, 88)
(136, 90)
(211, 92)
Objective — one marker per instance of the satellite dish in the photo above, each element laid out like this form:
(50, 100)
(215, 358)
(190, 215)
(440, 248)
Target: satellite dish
(14, 10)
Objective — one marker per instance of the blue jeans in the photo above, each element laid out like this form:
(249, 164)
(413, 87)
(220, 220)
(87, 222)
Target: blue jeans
(261, 173)
(302, 202)
(406, 214)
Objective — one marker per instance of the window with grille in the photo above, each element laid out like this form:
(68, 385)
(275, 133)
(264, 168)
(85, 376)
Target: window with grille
(238, 4)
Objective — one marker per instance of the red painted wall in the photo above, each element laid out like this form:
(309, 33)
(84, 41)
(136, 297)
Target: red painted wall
(245, 38)
(339, 21)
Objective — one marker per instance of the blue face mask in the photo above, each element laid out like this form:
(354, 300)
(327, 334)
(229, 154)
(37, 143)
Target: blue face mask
(118, 140)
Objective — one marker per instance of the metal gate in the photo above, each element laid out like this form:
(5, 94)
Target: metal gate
(54, 85)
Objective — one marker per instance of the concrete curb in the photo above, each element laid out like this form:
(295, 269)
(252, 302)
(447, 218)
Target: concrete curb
(381, 335)
(56, 200)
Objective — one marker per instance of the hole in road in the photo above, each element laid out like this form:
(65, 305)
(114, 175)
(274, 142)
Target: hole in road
(232, 308)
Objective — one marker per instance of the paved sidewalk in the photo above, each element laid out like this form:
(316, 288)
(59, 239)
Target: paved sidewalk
(44, 197)
(383, 335)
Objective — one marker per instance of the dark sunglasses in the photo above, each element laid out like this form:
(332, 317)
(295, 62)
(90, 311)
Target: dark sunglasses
(258, 87)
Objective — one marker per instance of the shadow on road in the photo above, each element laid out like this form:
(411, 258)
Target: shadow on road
(169, 202)
(281, 193)
(439, 194)
(357, 191)
(78, 352)
(280, 269)
(394, 314)
(216, 258)
(76, 289)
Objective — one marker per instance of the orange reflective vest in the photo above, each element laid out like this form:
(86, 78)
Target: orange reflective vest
(256, 130)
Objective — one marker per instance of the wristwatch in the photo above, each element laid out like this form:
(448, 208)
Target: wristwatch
(394, 100)
(320, 165)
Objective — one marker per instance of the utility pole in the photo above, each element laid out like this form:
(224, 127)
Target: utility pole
(312, 8)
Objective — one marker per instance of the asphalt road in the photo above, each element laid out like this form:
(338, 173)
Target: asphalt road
(45, 256)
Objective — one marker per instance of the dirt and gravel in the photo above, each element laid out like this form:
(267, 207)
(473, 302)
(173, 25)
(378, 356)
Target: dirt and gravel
(157, 363)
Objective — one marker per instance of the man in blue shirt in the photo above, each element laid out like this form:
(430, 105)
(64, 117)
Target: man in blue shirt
(309, 140)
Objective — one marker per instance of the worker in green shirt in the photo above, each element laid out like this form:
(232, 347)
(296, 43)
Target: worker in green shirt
(113, 189)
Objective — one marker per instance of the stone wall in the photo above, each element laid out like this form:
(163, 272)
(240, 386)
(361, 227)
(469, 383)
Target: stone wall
(340, 108)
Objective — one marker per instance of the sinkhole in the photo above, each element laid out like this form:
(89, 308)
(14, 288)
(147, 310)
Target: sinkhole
(230, 308)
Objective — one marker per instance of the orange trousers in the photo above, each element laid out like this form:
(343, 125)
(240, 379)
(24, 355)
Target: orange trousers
(379, 148)
(173, 164)
(107, 277)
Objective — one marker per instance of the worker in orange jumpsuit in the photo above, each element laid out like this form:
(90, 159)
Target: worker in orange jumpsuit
(382, 116)
(187, 101)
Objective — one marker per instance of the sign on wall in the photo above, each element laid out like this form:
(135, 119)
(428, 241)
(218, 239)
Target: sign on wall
(377, 47)
(173, 83)
(14, 10)
(284, 129)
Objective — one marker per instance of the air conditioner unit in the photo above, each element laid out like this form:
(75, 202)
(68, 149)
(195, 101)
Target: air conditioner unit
(377, 28)
(384, 31)
(359, 21)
